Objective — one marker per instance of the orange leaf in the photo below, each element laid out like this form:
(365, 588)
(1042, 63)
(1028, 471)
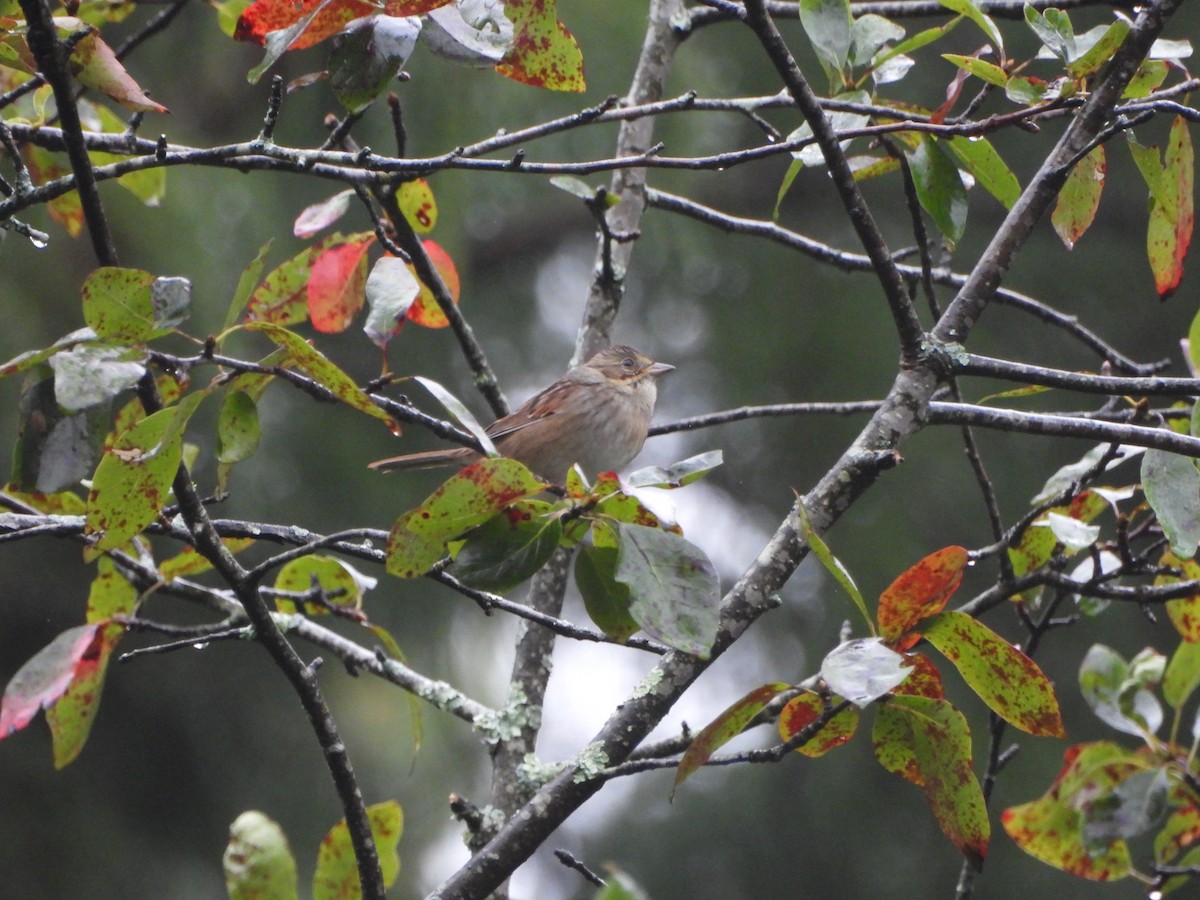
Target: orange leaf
(802, 711)
(543, 53)
(264, 16)
(724, 728)
(425, 309)
(921, 591)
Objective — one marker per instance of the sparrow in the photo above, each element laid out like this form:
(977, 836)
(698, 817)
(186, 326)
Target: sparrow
(596, 415)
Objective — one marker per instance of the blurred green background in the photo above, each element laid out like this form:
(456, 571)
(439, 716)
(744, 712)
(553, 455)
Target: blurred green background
(186, 741)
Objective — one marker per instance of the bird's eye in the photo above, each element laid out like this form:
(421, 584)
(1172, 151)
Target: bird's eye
(628, 363)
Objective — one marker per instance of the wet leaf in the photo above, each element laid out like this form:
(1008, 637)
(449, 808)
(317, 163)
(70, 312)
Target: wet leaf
(1080, 197)
(678, 474)
(258, 861)
(939, 188)
(803, 710)
(675, 591)
(1172, 486)
(319, 216)
(367, 55)
(507, 549)
(830, 28)
(863, 670)
(606, 599)
(1118, 691)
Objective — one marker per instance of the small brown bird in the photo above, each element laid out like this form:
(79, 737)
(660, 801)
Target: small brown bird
(596, 415)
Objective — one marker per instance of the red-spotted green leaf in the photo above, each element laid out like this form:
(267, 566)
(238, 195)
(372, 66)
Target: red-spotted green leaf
(425, 310)
(627, 508)
(939, 187)
(831, 563)
(472, 496)
(1080, 197)
(258, 861)
(1008, 681)
(1051, 827)
(110, 593)
(606, 599)
(301, 355)
(675, 592)
(391, 290)
(1182, 675)
(928, 742)
(337, 283)
(543, 52)
(342, 586)
(336, 877)
(1185, 611)
(863, 670)
(508, 548)
(1149, 76)
(1172, 486)
(189, 562)
(1179, 832)
(316, 218)
(117, 305)
(1170, 231)
(238, 431)
(921, 591)
(980, 158)
(418, 205)
(69, 671)
(923, 679)
(148, 185)
(245, 287)
(131, 483)
(800, 712)
(70, 717)
(282, 297)
(724, 728)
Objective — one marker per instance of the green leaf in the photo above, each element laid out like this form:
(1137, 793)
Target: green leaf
(282, 297)
(989, 169)
(110, 593)
(794, 168)
(871, 32)
(1100, 52)
(1137, 804)
(1080, 197)
(509, 548)
(606, 599)
(969, 9)
(830, 28)
(1054, 30)
(1184, 612)
(128, 492)
(840, 121)
(832, 564)
(1182, 675)
(341, 584)
(418, 538)
(258, 862)
(367, 55)
(245, 286)
(1051, 827)
(1146, 80)
(724, 728)
(939, 188)
(1008, 681)
(116, 304)
(238, 430)
(1172, 486)
(675, 592)
(677, 474)
(336, 876)
(989, 72)
(303, 356)
(929, 740)
(1172, 216)
(921, 590)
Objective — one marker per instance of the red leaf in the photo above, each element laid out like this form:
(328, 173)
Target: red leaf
(921, 591)
(425, 309)
(72, 656)
(336, 287)
(803, 710)
(264, 16)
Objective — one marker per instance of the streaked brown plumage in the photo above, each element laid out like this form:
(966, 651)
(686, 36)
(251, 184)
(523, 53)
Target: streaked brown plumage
(596, 415)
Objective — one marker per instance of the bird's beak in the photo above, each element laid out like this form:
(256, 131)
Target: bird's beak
(657, 370)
